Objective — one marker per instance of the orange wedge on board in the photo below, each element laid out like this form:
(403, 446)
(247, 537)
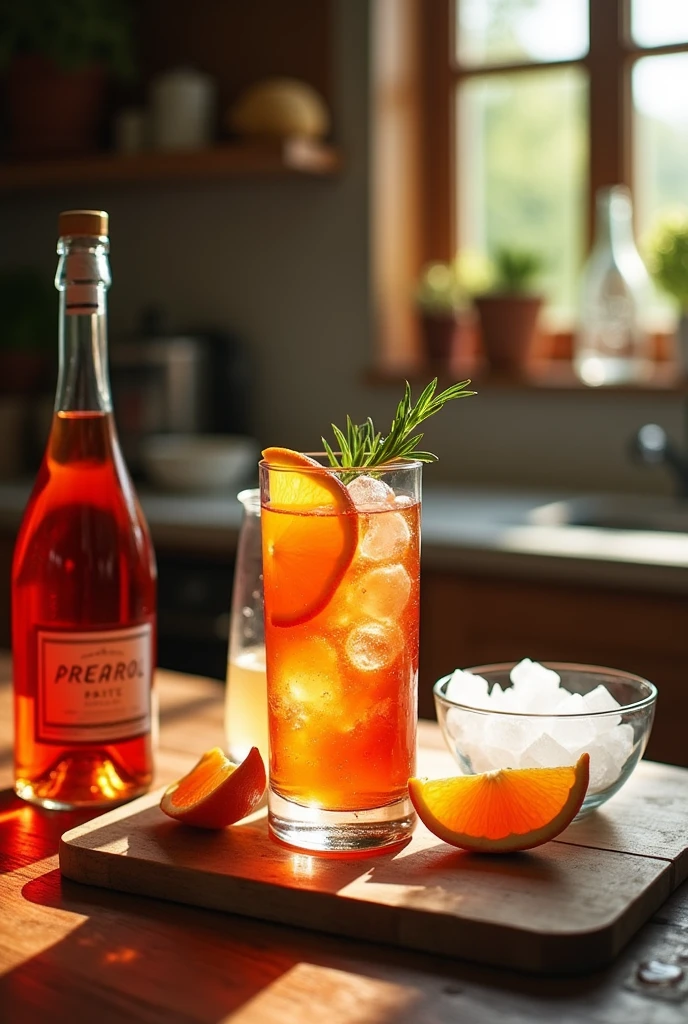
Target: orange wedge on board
(502, 811)
(216, 792)
(309, 537)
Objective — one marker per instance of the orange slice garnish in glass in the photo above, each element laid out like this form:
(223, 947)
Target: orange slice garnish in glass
(310, 539)
(502, 811)
(216, 792)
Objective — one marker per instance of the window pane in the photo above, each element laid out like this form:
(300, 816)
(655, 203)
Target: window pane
(506, 31)
(658, 22)
(522, 160)
(660, 135)
(660, 147)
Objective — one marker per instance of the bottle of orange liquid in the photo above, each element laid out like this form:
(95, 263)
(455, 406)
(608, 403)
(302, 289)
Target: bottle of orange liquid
(83, 577)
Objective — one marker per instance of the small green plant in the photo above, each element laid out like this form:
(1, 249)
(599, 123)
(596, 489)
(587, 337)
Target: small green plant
(439, 290)
(71, 33)
(667, 255)
(475, 272)
(516, 270)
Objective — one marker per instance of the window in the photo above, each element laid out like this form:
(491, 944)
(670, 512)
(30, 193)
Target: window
(520, 97)
(524, 109)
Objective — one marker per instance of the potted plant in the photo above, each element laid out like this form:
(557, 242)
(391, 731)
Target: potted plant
(667, 262)
(443, 299)
(57, 55)
(440, 301)
(508, 310)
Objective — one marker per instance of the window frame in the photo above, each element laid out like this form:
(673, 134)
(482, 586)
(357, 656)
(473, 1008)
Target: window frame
(424, 93)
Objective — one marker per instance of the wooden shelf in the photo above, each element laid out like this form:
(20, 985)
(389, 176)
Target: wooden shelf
(289, 158)
(542, 376)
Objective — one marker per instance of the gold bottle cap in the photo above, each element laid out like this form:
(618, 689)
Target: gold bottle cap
(83, 222)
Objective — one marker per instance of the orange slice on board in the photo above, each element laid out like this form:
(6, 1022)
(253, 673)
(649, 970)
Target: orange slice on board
(309, 542)
(216, 792)
(502, 811)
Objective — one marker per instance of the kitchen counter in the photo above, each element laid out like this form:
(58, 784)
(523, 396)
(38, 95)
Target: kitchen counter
(497, 532)
(75, 952)
(478, 530)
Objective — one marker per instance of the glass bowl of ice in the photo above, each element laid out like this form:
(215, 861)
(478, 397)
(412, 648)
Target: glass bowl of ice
(530, 715)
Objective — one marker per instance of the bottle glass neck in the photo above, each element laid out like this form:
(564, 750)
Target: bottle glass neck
(614, 220)
(82, 279)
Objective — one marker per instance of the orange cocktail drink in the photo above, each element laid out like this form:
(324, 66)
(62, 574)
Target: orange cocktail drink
(341, 577)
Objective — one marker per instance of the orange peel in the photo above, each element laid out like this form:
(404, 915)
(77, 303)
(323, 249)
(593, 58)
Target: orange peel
(502, 811)
(216, 792)
(309, 539)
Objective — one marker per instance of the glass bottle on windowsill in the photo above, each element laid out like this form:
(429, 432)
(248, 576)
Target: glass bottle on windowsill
(83, 575)
(612, 344)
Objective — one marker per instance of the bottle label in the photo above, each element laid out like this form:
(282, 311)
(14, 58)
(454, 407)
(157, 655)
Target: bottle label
(94, 687)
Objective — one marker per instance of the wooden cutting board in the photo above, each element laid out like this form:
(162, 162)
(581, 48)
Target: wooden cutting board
(567, 907)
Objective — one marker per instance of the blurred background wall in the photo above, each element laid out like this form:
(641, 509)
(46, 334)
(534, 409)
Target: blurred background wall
(287, 265)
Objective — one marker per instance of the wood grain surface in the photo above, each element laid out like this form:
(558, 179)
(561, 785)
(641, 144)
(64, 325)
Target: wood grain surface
(565, 908)
(74, 952)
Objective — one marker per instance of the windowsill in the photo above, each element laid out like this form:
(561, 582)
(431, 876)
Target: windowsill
(549, 366)
(542, 375)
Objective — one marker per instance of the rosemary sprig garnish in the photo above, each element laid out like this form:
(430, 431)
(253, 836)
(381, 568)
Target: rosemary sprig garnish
(362, 445)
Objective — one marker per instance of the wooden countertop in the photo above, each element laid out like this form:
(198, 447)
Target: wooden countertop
(74, 952)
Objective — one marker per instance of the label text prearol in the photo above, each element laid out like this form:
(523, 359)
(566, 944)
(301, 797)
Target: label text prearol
(119, 671)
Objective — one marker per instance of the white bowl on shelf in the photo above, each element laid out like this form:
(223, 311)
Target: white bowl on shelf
(199, 462)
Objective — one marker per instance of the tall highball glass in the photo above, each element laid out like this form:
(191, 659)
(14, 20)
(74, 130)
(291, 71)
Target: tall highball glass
(341, 583)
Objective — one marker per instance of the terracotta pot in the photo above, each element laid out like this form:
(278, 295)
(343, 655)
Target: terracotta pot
(51, 112)
(441, 338)
(507, 326)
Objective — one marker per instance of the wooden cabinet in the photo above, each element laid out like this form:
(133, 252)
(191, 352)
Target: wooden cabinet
(471, 620)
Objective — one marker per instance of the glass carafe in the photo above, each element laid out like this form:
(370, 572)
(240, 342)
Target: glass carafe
(612, 344)
(246, 701)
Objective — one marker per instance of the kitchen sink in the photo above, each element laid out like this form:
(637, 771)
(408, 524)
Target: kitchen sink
(616, 512)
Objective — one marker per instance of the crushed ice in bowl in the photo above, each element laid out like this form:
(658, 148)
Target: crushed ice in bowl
(563, 724)
(466, 688)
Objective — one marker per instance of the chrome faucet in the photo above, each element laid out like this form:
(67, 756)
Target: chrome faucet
(652, 446)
